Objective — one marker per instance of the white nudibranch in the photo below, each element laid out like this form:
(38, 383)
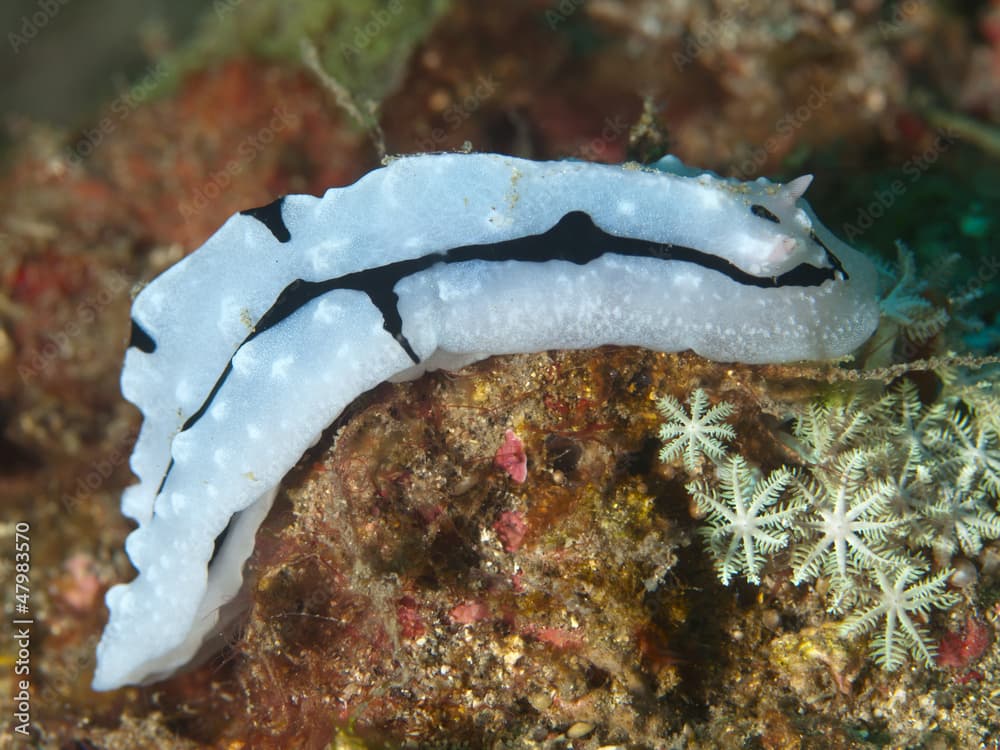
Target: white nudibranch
(242, 353)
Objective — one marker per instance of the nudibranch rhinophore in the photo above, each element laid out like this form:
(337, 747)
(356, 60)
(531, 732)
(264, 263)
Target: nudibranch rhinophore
(243, 352)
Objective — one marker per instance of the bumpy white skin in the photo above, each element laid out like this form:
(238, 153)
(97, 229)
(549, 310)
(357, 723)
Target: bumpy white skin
(291, 381)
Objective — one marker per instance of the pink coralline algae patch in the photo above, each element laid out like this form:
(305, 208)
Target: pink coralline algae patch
(411, 624)
(511, 528)
(80, 587)
(958, 650)
(512, 458)
(468, 613)
(560, 638)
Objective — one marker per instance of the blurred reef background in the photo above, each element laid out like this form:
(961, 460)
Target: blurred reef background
(409, 589)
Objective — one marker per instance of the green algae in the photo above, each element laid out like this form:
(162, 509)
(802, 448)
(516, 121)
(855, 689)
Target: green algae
(363, 44)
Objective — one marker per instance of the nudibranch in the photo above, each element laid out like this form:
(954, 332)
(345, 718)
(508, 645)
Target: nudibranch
(242, 353)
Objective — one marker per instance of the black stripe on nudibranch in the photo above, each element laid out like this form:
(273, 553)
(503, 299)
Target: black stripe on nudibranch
(221, 539)
(141, 340)
(575, 238)
(838, 267)
(270, 216)
(758, 210)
